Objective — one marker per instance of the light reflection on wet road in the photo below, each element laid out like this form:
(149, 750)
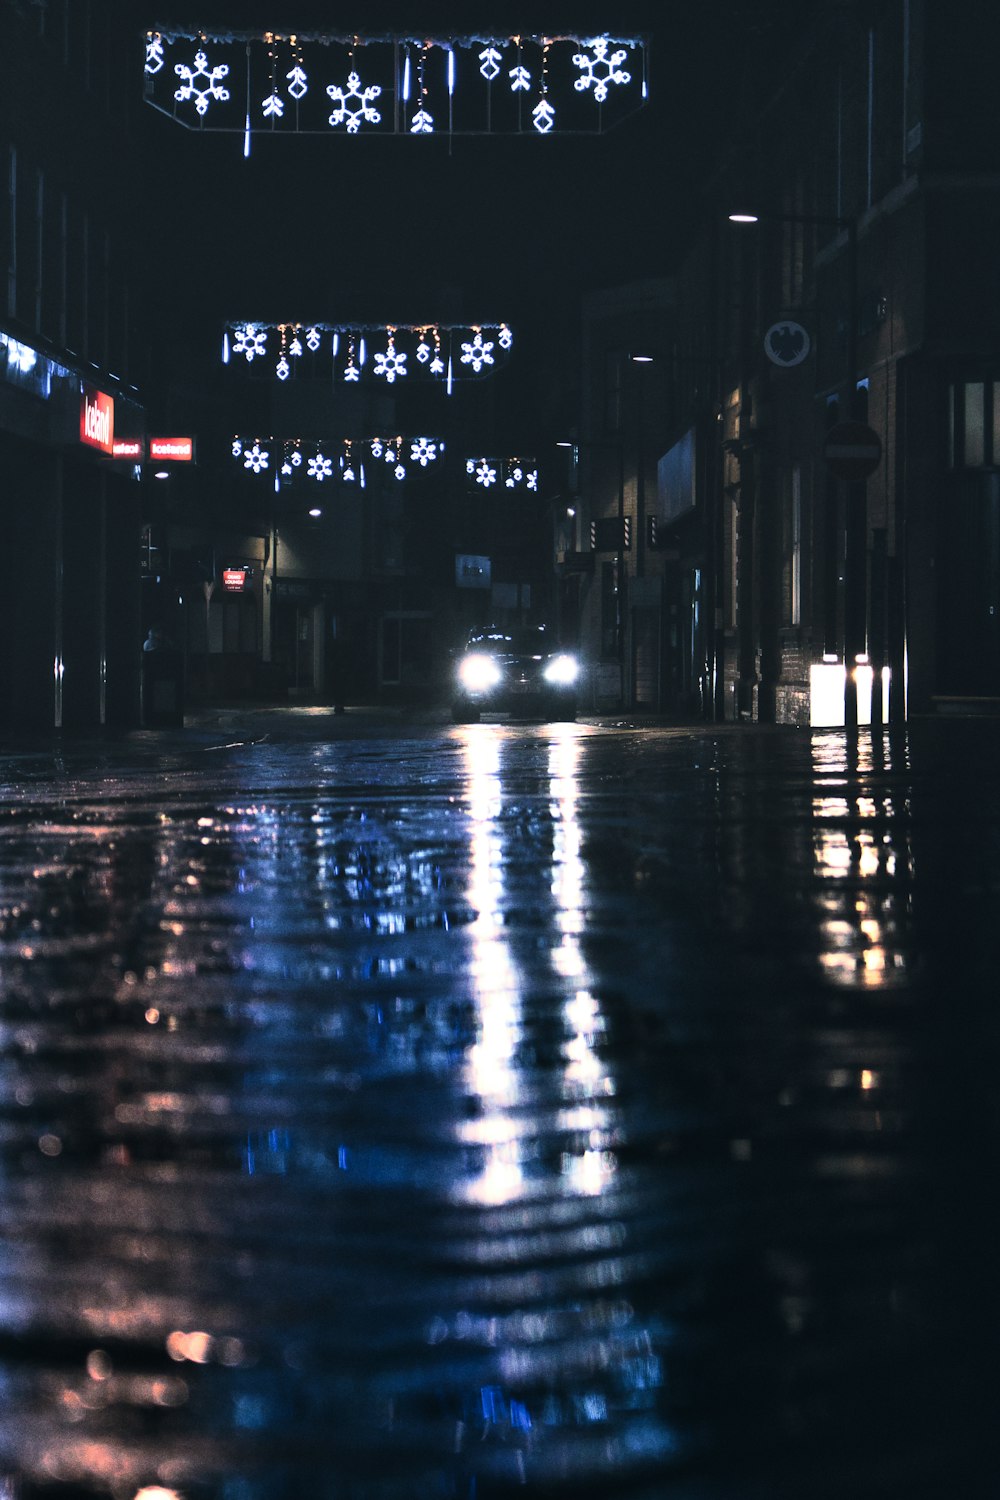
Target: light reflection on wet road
(558, 1110)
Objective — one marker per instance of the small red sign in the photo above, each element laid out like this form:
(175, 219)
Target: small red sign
(97, 419)
(178, 450)
(133, 449)
(233, 580)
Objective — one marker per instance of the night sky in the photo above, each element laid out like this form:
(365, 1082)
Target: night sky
(487, 228)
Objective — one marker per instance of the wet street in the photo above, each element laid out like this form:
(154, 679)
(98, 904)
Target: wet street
(431, 1113)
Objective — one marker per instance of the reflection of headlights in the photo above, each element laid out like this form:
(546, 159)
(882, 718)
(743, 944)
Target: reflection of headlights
(561, 670)
(478, 672)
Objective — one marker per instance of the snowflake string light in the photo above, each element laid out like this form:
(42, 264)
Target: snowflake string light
(354, 105)
(273, 105)
(532, 480)
(377, 447)
(297, 83)
(422, 123)
(520, 78)
(390, 364)
(296, 458)
(505, 338)
(237, 447)
(286, 467)
(477, 353)
(437, 365)
(485, 475)
(399, 471)
(154, 54)
(256, 458)
(250, 341)
(313, 338)
(320, 467)
(489, 63)
(282, 369)
(600, 71)
(423, 352)
(543, 116)
(201, 83)
(423, 451)
(295, 347)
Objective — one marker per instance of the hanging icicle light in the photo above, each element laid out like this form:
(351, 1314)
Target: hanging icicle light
(316, 83)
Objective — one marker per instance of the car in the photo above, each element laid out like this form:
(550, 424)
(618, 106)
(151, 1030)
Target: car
(520, 671)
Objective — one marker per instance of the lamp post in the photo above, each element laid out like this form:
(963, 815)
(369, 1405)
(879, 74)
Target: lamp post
(856, 517)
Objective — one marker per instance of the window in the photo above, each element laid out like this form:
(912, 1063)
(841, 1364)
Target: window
(795, 549)
(974, 424)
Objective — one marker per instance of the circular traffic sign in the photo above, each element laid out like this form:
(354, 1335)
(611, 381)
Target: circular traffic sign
(853, 450)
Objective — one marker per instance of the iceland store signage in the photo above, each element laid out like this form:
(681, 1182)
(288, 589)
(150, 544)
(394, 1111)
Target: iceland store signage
(97, 419)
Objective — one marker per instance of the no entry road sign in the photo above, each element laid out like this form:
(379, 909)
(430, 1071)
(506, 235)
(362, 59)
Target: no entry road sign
(853, 450)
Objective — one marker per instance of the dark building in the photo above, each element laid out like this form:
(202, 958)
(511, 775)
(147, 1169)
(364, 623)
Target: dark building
(70, 363)
(860, 287)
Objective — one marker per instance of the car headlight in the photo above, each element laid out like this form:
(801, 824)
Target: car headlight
(478, 672)
(562, 670)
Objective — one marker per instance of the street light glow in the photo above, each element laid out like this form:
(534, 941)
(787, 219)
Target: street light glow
(744, 219)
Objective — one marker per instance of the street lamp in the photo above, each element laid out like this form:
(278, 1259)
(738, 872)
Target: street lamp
(856, 518)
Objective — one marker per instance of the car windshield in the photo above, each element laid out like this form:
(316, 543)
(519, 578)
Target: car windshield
(528, 640)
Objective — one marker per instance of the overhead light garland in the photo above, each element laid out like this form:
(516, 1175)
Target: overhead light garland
(351, 351)
(314, 83)
(320, 459)
(506, 473)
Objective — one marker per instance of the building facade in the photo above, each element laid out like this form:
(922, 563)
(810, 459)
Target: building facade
(69, 367)
(843, 272)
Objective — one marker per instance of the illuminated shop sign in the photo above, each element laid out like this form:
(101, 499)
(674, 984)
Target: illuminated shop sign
(131, 449)
(234, 580)
(97, 419)
(178, 450)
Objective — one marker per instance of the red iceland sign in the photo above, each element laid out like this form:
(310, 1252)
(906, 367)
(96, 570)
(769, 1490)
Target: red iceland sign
(97, 419)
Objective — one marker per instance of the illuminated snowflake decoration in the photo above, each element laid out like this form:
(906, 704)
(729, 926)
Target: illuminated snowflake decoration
(296, 458)
(320, 467)
(532, 479)
(297, 84)
(250, 341)
(477, 353)
(600, 71)
(286, 467)
(154, 54)
(295, 348)
(520, 78)
(256, 458)
(273, 105)
(437, 365)
(514, 478)
(390, 364)
(282, 369)
(489, 63)
(313, 338)
(351, 371)
(201, 83)
(354, 105)
(485, 475)
(399, 471)
(423, 352)
(543, 116)
(237, 447)
(423, 451)
(376, 447)
(422, 123)
(505, 338)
